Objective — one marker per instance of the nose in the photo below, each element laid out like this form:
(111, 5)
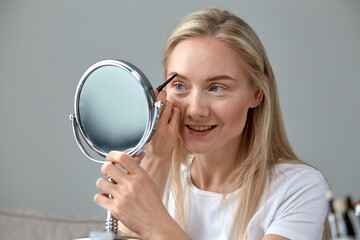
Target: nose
(197, 106)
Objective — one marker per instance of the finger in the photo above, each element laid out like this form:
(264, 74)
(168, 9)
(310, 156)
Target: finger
(109, 168)
(175, 119)
(112, 171)
(165, 114)
(115, 154)
(105, 186)
(124, 160)
(128, 150)
(156, 92)
(103, 200)
(161, 96)
(138, 157)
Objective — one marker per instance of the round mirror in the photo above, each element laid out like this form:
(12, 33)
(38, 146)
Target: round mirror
(114, 109)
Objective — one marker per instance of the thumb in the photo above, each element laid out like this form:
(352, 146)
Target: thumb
(139, 157)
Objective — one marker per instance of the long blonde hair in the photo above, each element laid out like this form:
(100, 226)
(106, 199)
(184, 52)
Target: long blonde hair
(264, 142)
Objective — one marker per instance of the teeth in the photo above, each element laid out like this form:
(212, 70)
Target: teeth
(200, 128)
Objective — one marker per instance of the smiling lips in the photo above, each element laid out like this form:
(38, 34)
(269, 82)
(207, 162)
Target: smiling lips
(200, 130)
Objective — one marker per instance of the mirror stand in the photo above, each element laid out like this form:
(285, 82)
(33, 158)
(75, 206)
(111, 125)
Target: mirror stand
(111, 222)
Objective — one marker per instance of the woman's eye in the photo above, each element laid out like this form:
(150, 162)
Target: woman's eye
(216, 88)
(179, 86)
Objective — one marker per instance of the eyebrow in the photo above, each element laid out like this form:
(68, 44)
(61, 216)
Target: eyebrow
(211, 79)
(220, 77)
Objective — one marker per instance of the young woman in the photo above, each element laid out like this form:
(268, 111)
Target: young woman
(220, 165)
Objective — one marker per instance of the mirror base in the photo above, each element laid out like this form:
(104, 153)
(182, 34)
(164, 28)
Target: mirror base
(107, 236)
(113, 238)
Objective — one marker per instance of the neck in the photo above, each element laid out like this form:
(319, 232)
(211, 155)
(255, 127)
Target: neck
(209, 171)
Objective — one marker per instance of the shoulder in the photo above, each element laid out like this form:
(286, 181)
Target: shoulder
(297, 173)
(298, 182)
(296, 201)
(296, 179)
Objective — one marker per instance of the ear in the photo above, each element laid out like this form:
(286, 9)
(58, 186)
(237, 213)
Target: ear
(257, 97)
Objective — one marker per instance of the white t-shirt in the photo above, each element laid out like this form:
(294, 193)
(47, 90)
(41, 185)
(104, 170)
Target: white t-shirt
(293, 207)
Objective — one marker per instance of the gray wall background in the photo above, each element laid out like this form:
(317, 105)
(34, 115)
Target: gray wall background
(45, 46)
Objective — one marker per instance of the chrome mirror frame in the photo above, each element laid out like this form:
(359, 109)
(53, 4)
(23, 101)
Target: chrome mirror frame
(154, 109)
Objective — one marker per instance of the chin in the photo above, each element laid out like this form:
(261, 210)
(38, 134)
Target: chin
(197, 149)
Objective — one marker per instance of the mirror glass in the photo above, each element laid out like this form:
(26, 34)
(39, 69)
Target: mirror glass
(113, 109)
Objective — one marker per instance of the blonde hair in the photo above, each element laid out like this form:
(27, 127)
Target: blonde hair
(264, 142)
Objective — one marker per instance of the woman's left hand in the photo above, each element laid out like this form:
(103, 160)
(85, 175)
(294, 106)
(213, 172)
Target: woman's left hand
(135, 199)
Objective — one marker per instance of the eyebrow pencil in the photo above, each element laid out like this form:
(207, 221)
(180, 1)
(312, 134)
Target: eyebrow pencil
(159, 88)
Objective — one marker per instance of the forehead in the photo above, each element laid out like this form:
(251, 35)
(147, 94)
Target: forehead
(204, 57)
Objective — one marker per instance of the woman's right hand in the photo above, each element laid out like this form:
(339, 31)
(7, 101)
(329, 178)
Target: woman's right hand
(163, 142)
(158, 154)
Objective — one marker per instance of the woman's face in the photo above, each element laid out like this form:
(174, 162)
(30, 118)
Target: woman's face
(212, 92)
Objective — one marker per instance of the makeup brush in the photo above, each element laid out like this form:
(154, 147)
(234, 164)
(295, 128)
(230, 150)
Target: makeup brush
(345, 226)
(334, 231)
(352, 215)
(350, 204)
(159, 88)
(357, 216)
(357, 208)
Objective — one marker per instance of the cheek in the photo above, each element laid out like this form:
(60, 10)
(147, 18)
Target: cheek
(234, 114)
